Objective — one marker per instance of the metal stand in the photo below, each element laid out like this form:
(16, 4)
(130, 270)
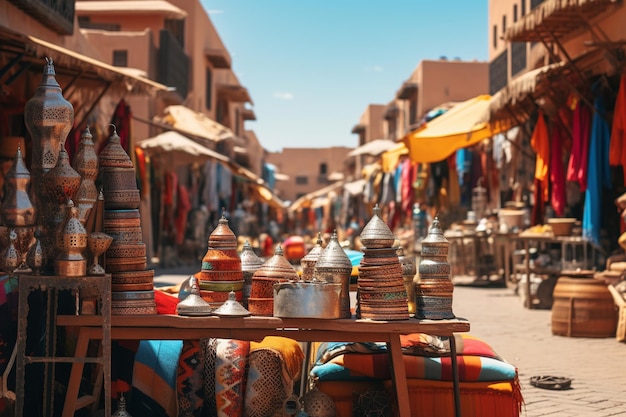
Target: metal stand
(51, 285)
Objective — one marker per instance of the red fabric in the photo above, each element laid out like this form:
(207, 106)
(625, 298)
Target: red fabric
(617, 149)
(121, 120)
(557, 172)
(539, 206)
(408, 176)
(165, 303)
(581, 130)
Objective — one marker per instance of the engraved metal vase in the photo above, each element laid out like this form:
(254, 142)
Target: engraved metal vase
(17, 209)
(334, 266)
(433, 292)
(71, 243)
(85, 162)
(49, 118)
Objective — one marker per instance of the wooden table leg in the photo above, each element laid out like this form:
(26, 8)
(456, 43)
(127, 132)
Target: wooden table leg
(76, 374)
(399, 375)
(455, 378)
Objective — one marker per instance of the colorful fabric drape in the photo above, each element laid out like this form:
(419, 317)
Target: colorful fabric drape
(540, 142)
(557, 172)
(599, 176)
(579, 157)
(617, 155)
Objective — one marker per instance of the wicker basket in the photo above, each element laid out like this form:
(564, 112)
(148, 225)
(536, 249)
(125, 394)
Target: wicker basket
(562, 226)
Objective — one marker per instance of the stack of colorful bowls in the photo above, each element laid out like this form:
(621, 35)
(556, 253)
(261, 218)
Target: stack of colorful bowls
(132, 285)
(221, 270)
(381, 292)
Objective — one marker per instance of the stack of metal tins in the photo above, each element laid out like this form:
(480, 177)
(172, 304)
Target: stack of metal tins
(276, 269)
(381, 292)
(221, 270)
(132, 286)
(433, 292)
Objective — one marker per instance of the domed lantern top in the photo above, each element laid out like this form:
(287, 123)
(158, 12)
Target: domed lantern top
(277, 267)
(376, 234)
(193, 304)
(310, 259)
(435, 243)
(333, 256)
(249, 259)
(113, 155)
(222, 236)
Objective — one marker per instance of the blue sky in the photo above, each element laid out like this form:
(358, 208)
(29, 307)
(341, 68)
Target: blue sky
(312, 67)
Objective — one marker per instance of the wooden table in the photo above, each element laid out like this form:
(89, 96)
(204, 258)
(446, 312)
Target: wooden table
(173, 327)
(565, 243)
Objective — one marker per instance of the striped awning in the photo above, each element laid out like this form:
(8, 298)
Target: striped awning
(556, 18)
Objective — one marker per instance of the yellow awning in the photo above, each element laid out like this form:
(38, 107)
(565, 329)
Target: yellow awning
(464, 125)
(194, 123)
(389, 159)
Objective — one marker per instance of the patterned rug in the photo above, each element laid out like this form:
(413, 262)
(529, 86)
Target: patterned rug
(230, 376)
(189, 380)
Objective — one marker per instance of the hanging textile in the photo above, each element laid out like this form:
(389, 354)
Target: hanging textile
(408, 175)
(599, 175)
(557, 172)
(617, 155)
(539, 207)
(454, 188)
(579, 157)
(540, 143)
(121, 120)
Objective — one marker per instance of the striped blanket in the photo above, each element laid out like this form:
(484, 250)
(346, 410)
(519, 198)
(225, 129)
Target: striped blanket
(425, 357)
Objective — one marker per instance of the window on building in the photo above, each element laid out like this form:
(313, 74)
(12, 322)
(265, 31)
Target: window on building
(495, 36)
(413, 110)
(302, 180)
(177, 28)
(323, 168)
(237, 121)
(523, 7)
(208, 89)
(120, 58)
(514, 13)
(503, 24)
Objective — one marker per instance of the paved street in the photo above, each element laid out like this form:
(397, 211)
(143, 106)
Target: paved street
(524, 337)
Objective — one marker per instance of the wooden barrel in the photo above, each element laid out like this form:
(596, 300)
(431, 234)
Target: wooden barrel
(583, 307)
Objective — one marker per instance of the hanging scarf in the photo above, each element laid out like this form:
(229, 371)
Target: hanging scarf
(617, 155)
(599, 176)
(540, 143)
(579, 157)
(557, 172)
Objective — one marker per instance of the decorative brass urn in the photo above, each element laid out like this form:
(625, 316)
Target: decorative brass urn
(71, 243)
(85, 162)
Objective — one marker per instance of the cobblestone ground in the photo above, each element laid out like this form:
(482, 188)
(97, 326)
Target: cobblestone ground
(524, 338)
